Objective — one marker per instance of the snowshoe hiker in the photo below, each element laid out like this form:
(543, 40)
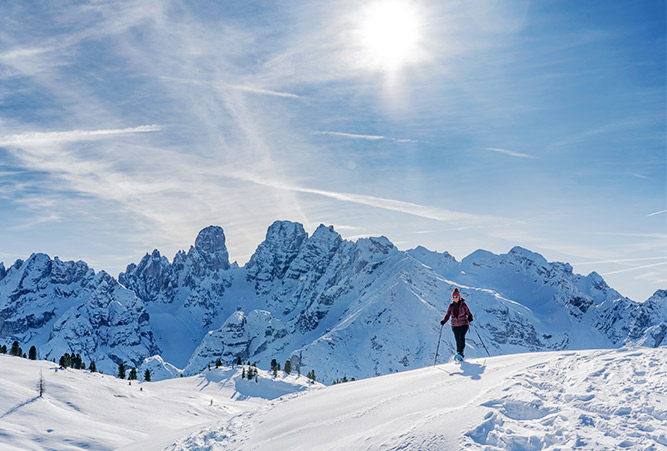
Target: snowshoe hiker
(461, 318)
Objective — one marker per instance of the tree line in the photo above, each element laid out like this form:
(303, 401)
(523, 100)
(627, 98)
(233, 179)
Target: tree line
(68, 360)
(75, 361)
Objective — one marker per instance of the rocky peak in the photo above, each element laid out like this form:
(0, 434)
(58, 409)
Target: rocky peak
(3, 272)
(325, 233)
(150, 278)
(319, 249)
(211, 239)
(439, 261)
(35, 269)
(525, 257)
(373, 249)
(18, 264)
(480, 258)
(285, 234)
(283, 242)
(210, 244)
(658, 296)
(69, 272)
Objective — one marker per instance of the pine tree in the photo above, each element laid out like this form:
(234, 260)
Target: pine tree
(32, 353)
(218, 363)
(76, 361)
(133, 374)
(64, 360)
(16, 349)
(238, 361)
(147, 375)
(288, 367)
(243, 373)
(92, 367)
(121, 371)
(3, 349)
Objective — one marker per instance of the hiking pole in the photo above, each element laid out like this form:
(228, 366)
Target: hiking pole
(480, 339)
(438, 348)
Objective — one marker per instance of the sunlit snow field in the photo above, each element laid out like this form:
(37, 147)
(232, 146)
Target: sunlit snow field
(598, 399)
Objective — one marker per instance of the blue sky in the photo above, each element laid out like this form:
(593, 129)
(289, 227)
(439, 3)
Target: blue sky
(129, 126)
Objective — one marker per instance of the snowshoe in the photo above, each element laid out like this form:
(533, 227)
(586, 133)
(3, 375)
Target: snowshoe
(458, 358)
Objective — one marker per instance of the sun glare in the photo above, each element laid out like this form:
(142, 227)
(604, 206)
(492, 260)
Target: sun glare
(390, 34)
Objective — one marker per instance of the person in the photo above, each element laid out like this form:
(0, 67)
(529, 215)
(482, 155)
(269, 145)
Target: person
(461, 318)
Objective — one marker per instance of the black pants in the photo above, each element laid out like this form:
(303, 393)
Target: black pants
(460, 336)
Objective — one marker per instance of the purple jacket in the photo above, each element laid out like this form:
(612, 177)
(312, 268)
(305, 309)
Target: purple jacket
(460, 313)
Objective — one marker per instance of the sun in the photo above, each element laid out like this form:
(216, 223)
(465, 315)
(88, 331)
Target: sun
(390, 34)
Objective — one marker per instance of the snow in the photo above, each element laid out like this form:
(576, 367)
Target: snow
(593, 399)
(83, 410)
(611, 399)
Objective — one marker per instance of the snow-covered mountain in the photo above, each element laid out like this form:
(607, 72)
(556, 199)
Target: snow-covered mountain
(337, 307)
(64, 307)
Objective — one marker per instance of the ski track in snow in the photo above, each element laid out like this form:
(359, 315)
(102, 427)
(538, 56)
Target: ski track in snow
(588, 400)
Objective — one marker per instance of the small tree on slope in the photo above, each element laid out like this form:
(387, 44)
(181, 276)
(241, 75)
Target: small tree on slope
(41, 384)
(121, 371)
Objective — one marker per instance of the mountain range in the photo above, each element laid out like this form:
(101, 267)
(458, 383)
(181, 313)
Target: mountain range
(338, 307)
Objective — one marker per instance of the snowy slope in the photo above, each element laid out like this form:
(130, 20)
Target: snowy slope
(83, 410)
(611, 399)
(593, 399)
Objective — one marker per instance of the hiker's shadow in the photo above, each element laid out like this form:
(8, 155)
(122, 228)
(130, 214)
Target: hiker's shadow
(472, 370)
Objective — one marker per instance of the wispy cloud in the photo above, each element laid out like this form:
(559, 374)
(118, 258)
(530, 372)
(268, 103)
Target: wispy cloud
(638, 235)
(423, 211)
(40, 220)
(622, 260)
(657, 213)
(244, 88)
(366, 137)
(35, 138)
(509, 152)
(263, 91)
(635, 268)
(653, 276)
